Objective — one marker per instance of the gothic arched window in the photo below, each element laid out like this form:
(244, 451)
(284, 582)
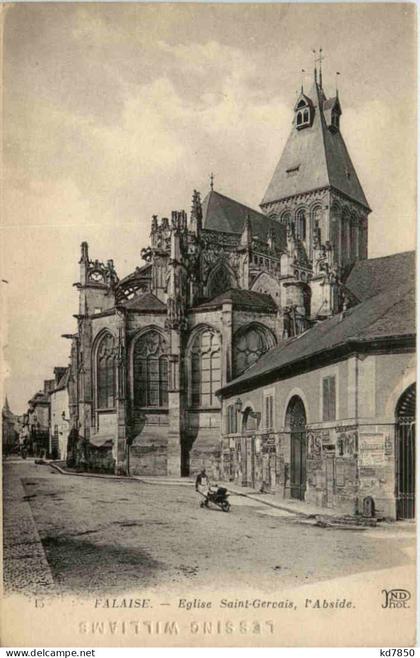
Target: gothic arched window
(220, 280)
(345, 235)
(286, 218)
(316, 216)
(299, 118)
(205, 372)
(248, 345)
(301, 224)
(105, 372)
(150, 368)
(354, 241)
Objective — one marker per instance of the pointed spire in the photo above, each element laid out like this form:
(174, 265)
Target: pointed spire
(246, 237)
(320, 67)
(315, 71)
(6, 405)
(337, 73)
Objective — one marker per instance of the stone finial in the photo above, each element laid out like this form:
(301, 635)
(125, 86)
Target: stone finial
(246, 237)
(154, 226)
(84, 258)
(196, 218)
(271, 238)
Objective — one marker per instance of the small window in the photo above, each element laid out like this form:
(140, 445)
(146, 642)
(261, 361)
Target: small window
(268, 412)
(286, 217)
(328, 398)
(301, 224)
(292, 171)
(306, 116)
(299, 119)
(232, 419)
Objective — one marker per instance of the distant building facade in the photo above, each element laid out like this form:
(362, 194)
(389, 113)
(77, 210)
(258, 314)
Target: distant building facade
(11, 427)
(59, 414)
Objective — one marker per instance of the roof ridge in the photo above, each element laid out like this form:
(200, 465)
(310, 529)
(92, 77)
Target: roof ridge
(398, 253)
(323, 129)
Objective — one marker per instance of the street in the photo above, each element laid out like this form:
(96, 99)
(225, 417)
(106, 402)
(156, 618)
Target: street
(115, 536)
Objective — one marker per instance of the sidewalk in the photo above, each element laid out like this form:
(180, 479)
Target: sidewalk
(26, 569)
(297, 507)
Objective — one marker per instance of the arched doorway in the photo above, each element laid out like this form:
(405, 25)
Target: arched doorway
(405, 453)
(250, 423)
(296, 423)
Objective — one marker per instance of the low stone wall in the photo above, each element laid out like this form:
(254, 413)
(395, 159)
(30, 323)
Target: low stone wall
(100, 460)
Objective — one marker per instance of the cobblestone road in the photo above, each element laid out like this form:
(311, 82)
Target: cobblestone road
(113, 536)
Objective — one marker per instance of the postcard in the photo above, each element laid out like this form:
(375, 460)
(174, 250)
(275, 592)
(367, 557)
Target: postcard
(208, 325)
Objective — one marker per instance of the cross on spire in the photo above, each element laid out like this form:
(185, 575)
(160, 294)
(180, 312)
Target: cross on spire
(211, 181)
(318, 59)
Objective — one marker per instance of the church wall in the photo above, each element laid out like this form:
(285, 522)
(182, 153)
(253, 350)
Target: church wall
(347, 459)
(105, 322)
(147, 428)
(203, 428)
(201, 435)
(103, 424)
(95, 300)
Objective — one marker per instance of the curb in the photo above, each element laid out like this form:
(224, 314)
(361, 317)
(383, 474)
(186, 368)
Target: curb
(88, 475)
(269, 503)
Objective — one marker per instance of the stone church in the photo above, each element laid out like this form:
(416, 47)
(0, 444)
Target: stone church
(219, 288)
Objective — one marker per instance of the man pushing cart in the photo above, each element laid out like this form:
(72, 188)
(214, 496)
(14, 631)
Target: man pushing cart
(219, 496)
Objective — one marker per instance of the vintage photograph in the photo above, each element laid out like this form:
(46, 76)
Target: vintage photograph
(208, 324)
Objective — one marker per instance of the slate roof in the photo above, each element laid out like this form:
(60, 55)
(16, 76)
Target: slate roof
(372, 276)
(241, 299)
(388, 315)
(145, 302)
(321, 157)
(39, 398)
(220, 213)
(62, 384)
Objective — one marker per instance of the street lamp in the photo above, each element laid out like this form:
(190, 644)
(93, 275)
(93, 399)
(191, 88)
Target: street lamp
(238, 405)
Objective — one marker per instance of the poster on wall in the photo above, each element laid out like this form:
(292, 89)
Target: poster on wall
(371, 449)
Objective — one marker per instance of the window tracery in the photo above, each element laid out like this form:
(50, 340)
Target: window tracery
(220, 280)
(150, 369)
(106, 372)
(205, 369)
(249, 344)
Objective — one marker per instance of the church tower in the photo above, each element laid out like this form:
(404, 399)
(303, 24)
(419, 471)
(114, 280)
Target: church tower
(315, 188)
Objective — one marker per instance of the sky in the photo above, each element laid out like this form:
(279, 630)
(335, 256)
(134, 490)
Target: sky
(114, 112)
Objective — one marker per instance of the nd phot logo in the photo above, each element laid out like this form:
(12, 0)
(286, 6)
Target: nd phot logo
(396, 598)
